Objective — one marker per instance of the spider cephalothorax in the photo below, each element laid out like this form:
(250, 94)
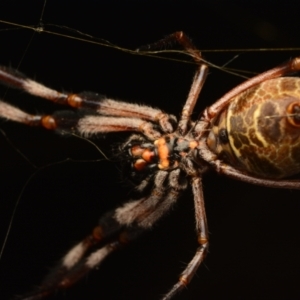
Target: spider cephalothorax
(250, 134)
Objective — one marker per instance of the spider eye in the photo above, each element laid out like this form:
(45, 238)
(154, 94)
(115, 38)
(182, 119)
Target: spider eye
(293, 111)
(223, 136)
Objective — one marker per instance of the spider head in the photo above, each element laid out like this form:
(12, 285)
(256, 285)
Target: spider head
(140, 158)
(146, 157)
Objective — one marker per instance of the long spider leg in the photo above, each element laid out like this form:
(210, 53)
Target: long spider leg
(146, 212)
(111, 235)
(190, 103)
(61, 281)
(202, 232)
(76, 263)
(181, 38)
(93, 124)
(65, 121)
(99, 103)
(198, 80)
(236, 174)
(138, 210)
(106, 228)
(177, 184)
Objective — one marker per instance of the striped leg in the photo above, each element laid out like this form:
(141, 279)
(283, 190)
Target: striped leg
(116, 229)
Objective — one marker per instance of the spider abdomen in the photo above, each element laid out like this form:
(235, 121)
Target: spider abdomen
(264, 130)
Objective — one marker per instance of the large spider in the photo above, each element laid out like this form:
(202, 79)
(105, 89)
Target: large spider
(250, 134)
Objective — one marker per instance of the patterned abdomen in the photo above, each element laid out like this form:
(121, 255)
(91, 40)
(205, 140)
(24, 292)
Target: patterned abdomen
(263, 126)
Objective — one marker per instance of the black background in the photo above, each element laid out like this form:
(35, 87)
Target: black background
(254, 231)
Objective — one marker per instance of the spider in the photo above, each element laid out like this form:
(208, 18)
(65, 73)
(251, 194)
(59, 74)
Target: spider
(250, 134)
